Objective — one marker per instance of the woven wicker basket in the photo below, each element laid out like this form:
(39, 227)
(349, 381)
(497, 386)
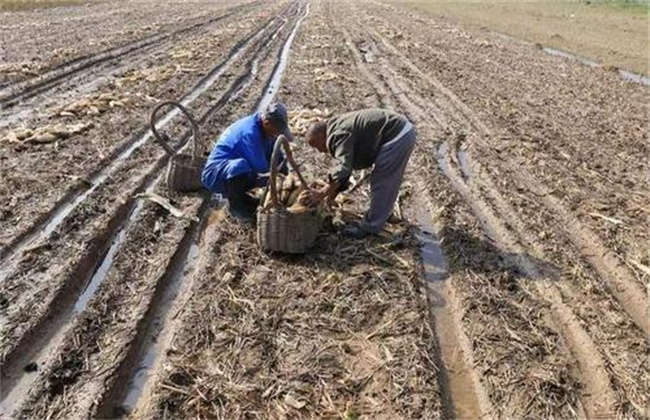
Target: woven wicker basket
(184, 170)
(277, 228)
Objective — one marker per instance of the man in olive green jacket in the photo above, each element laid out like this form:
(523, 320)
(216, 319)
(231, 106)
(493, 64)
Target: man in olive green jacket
(357, 140)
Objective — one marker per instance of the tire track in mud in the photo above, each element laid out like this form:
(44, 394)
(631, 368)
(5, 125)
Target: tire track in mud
(108, 244)
(464, 394)
(461, 387)
(599, 396)
(20, 91)
(621, 282)
(605, 395)
(494, 230)
(43, 227)
(179, 263)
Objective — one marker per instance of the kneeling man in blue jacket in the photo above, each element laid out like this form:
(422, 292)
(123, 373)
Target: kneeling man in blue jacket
(242, 156)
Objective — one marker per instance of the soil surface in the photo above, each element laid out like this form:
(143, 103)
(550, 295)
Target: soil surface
(511, 282)
(610, 32)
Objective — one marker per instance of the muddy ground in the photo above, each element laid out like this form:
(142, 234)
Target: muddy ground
(514, 285)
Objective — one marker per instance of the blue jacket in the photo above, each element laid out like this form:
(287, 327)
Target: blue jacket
(241, 149)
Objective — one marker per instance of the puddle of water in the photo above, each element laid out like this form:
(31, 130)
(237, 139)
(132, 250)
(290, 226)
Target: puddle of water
(635, 77)
(156, 340)
(465, 168)
(101, 273)
(276, 78)
(433, 259)
(442, 161)
(564, 54)
(457, 375)
(25, 380)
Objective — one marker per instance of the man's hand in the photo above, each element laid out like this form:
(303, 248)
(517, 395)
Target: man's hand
(328, 192)
(317, 196)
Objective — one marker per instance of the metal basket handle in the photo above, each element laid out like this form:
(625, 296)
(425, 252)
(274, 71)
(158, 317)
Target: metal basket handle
(163, 139)
(271, 187)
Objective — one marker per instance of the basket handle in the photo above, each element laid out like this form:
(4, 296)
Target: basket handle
(163, 139)
(271, 188)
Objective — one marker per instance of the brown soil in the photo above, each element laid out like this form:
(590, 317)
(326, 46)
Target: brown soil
(36, 177)
(529, 172)
(39, 41)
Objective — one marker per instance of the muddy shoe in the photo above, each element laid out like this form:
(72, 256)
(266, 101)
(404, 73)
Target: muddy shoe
(354, 232)
(394, 219)
(242, 214)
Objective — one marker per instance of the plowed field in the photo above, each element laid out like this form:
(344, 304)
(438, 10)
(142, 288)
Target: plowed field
(515, 286)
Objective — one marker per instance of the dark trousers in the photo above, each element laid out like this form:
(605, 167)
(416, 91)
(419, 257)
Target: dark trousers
(240, 203)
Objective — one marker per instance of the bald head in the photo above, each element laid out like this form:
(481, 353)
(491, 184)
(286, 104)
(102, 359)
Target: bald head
(317, 136)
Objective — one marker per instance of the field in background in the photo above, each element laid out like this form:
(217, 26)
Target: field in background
(613, 33)
(16, 5)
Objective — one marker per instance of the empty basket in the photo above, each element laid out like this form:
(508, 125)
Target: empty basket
(184, 170)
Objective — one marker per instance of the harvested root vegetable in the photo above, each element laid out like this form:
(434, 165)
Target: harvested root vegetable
(95, 105)
(23, 133)
(293, 197)
(291, 194)
(42, 138)
(45, 134)
(298, 208)
(288, 186)
(299, 121)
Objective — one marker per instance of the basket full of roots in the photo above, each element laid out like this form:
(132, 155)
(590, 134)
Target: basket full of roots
(285, 221)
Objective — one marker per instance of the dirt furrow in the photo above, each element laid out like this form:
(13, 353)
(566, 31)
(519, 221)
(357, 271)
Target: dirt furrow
(622, 283)
(95, 29)
(13, 94)
(103, 379)
(580, 131)
(21, 297)
(629, 394)
(43, 218)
